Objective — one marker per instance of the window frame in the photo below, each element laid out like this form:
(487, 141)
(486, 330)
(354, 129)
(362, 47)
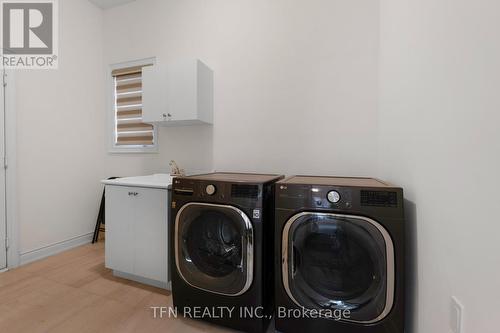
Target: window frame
(113, 148)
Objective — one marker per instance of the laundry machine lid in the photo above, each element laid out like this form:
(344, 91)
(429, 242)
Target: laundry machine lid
(339, 262)
(214, 248)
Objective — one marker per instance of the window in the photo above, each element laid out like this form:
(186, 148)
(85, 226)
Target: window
(129, 133)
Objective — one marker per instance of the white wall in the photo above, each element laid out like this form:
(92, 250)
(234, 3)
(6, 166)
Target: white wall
(280, 68)
(296, 91)
(288, 74)
(297, 86)
(137, 31)
(62, 133)
(61, 136)
(440, 140)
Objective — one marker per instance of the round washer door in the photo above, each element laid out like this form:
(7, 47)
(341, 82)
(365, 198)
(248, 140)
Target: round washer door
(214, 248)
(339, 262)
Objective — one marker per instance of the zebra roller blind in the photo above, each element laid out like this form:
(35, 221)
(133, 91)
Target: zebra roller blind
(129, 128)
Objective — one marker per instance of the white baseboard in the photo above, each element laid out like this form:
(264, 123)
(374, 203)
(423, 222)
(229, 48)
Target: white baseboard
(49, 250)
(143, 280)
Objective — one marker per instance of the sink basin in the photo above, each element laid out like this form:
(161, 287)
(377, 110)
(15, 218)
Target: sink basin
(159, 180)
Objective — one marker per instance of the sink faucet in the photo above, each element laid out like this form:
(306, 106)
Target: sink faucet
(175, 171)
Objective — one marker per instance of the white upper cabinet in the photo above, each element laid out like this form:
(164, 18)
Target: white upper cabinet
(180, 93)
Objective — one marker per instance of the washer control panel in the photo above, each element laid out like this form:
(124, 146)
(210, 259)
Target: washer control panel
(328, 197)
(333, 196)
(210, 189)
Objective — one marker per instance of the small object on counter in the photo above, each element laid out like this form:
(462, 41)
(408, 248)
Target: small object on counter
(175, 171)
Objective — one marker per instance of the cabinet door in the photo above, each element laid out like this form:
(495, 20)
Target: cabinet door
(182, 90)
(154, 100)
(120, 220)
(150, 230)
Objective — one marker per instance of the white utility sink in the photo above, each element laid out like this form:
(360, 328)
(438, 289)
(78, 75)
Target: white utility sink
(137, 230)
(159, 180)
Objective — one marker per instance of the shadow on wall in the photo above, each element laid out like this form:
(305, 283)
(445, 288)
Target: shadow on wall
(190, 146)
(411, 267)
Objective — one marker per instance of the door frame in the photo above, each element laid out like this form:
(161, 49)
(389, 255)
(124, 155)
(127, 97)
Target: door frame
(11, 170)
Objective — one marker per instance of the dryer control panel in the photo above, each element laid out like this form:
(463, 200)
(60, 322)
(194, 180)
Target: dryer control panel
(333, 196)
(245, 195)
(339, 198)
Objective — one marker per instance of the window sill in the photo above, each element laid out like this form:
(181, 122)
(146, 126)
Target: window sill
(115, 150)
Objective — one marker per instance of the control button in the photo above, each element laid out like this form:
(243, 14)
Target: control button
(210, 189)
(333, 196)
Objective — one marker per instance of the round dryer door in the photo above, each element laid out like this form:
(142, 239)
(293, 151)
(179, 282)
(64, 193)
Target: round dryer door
(339, 262)
(214, 248)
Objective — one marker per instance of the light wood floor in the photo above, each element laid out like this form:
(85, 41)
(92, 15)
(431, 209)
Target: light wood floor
(74, 292)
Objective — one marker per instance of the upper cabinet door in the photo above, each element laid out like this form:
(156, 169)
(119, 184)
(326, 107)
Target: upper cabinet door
(154, 101)
(180, 93)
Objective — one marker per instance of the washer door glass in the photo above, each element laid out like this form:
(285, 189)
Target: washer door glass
(214, 248)
(339, 262)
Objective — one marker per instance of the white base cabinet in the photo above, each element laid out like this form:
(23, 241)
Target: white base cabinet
(136, 245)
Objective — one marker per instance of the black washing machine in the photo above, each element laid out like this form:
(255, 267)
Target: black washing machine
(222, 248)
(339, 255)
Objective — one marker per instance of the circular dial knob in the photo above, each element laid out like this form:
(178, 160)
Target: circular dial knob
(333, 196)
(210, 189)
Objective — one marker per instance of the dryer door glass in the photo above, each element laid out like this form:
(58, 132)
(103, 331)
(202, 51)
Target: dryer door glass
(214, 248)
(339, 262)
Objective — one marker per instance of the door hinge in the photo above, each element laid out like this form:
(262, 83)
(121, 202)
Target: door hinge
(4, 79)
(7, 243)
(5, 165)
